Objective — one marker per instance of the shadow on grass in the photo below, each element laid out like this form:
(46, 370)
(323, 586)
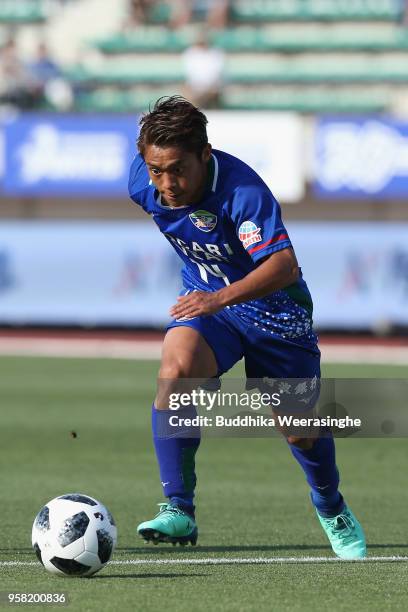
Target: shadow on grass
(215, 549)
(228, 549)
(102, 576)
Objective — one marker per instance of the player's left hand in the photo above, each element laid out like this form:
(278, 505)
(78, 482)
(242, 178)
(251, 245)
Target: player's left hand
(196, 304)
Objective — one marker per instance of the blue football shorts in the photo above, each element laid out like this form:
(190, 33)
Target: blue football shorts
(270, 360)
(265, 355)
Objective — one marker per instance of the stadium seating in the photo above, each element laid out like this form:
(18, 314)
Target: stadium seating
(314, 38)
(250, 38)
(147, 39)
(159, 69)
(260, 11)
(244, 69)
(331, 10)
(309, 100)
(319, 68)
(22, 11)
(304, 55)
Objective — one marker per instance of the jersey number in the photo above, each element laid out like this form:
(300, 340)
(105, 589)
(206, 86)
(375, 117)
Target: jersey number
(213, 269)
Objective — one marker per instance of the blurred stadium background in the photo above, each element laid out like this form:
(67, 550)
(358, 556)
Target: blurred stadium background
(312, 93)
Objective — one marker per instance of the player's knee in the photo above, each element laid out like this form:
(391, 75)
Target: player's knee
(173, 380)
(175, 369)
(302, 443)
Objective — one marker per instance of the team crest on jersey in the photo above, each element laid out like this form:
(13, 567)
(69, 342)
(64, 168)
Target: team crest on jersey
(248, 233)
(203, 220)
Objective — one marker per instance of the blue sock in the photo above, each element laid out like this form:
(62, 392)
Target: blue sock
(319, 466)
(175, 451)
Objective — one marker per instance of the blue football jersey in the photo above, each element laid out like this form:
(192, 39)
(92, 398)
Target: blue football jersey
(222, 238)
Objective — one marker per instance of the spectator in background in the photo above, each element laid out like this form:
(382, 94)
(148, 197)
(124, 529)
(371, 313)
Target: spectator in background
(405, 13)
(16, 85)
(43, 68)
(401, 7)
(47, 77)
(215, 12)
(138, 13)
(204, 73)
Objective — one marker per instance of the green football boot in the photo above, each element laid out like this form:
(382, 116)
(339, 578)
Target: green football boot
(170, 525)
(345, 534)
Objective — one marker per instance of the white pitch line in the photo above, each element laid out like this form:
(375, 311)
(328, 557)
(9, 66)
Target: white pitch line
(229, 561)
(252, 560)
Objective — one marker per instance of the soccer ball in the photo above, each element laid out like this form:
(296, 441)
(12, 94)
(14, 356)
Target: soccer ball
(74, 535)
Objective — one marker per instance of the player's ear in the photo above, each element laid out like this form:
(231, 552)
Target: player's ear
(206, 154)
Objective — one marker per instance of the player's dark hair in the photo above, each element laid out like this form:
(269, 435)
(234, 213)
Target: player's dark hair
(174, 122)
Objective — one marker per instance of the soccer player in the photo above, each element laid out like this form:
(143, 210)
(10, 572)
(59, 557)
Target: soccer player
(244, 296)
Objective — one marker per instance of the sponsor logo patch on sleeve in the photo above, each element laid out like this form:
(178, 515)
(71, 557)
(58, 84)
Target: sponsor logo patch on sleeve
(249, 233)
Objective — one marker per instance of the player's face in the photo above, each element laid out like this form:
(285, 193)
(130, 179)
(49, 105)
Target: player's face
(179, 176)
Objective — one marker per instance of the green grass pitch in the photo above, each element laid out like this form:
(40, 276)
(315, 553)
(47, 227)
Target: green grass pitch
(253, 504)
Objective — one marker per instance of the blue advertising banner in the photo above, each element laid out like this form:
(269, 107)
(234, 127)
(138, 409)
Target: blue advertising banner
(126, 273)
(357, 272)
(90, 155)
(86, 273)
(361, 157)
(69, 155)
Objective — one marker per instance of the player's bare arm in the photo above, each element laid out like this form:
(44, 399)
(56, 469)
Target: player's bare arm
(276, 272)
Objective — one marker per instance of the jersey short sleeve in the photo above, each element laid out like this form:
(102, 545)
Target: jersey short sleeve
(257, 219)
